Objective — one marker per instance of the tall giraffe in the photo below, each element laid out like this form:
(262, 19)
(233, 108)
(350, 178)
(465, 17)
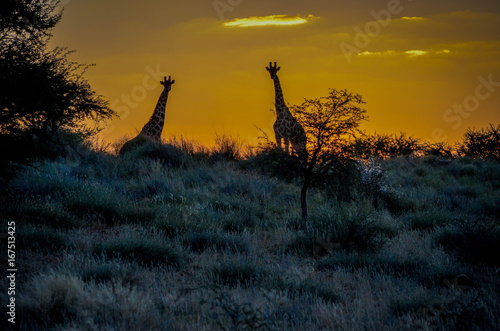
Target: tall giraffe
(154, 127)
(286, 126)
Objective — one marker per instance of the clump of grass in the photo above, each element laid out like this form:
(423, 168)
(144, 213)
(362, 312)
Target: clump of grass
(429, 219)
(42, 239)
(226, 148)
(168, 155)
(274, 162)
(200, 241)
(475, 239)
(467, 170)
(173, 220)
(45, 179)
(234, 273)
(144, 251)
(396, 203)
(54, 299)
(413, 301)
(345, 230)
(313, 289)
(457, 192)
(45, 213)
(234, 315)
(420, 172)
(239, 221)
(488, 206)
(101, 271)
(98, 201)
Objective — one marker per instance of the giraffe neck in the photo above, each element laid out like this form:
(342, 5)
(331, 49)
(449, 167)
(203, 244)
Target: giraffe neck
(154, 126)
(281, 108)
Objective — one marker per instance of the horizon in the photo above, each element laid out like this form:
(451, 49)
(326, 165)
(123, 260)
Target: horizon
(431, 71)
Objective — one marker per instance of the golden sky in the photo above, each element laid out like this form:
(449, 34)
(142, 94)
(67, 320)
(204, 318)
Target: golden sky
(428, 68)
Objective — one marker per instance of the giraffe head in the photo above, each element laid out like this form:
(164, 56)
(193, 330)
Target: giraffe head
(167, 83)
(273, 70)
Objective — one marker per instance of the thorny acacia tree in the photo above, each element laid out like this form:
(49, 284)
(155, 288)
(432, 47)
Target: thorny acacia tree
(42, 91)
(328, 122)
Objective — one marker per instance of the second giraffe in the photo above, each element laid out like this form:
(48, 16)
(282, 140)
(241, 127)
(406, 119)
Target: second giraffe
(286, 127)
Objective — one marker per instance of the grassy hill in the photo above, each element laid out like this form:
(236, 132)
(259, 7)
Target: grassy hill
(170, 239)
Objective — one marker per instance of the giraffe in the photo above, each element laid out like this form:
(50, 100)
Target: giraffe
(286, 126)
(154, 127)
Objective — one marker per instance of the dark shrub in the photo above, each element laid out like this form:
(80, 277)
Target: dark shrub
(356, 232)
(475, 239)
(484, 143)
(142, 148)
(274, 162)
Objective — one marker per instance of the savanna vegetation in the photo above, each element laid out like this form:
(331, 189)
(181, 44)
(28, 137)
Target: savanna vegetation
(398, 233)
(179, 237)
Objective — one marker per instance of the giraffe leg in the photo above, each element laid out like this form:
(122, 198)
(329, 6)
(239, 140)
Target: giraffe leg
(287, 143)
(278, 141)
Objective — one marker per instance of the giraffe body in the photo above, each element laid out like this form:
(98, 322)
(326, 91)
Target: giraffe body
(286, 127)
(151, 132)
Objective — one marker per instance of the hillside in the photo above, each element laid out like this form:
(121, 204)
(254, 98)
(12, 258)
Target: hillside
(170, 240)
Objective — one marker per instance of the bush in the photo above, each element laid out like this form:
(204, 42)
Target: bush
(54, 299)
(346, 230)
(475, 239)
(142, 148)
(274, 162)
(484, 143)
(384, 145)
(226, 148)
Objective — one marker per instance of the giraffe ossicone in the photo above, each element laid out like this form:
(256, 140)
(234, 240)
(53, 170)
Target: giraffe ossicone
(286, 127)
(152, 130)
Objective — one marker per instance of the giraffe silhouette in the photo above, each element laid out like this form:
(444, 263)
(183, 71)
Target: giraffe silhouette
(286, 127)
(154, 127)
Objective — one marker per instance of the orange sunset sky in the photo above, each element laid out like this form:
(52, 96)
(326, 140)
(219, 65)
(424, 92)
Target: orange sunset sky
(428, 68)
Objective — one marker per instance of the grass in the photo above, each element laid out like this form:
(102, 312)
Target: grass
(182, 237)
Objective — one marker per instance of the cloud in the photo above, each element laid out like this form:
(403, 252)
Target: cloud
(416, 52)
(269, 20)
(413, 18)
(409, 53)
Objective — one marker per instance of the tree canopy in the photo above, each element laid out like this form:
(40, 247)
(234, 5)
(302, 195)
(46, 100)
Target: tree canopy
(42, 91)
(329, 122)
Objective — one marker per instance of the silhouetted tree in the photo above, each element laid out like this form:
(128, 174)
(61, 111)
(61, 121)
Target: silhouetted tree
(482, 143)
(328, 123)
(27, 21)
(385, 145)
(42, 91)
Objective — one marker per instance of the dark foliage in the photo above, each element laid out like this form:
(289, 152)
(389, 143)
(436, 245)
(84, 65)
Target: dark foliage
(42, 91)
(143, 148)
(475, 239)
(274, 162)
(483, 143)
(385, 145)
